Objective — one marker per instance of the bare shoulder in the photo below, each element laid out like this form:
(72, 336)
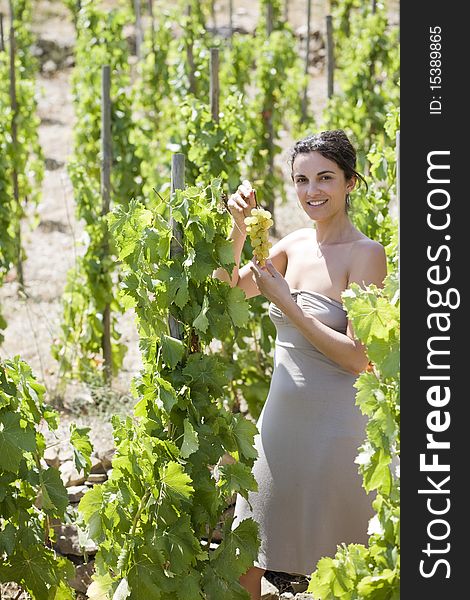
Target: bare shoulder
(368, 262)
(365, 247)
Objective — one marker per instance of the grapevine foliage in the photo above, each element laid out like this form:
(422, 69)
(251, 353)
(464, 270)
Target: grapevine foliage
(366, 106)
(154, 515)
(371, 209)
(31, 494)
(91, 284)
(22, 158)
(367, 74)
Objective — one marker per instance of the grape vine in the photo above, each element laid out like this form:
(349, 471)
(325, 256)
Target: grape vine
(31, 495)
(22, 164)
(91, 285)
(367, 60)
(153, 519)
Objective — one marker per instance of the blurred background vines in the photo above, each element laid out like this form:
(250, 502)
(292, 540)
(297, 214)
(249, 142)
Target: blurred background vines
(22, 162)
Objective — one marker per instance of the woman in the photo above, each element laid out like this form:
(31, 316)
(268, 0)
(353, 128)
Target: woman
(310, 497)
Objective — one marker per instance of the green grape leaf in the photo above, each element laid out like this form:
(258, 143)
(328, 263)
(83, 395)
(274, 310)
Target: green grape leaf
(174, 478)
(82, 447)
(204, 264)
(368, 392)
(381, 585)
(237, 306)
(392, 288)
(190, 441)
(63, 592)
(37, 569)
(206, 373)
(381, 425)
(201, 323)
(237, 477)
(206, 500)
(322, 579)
(158, 243)
(237, 551)
(217, 588)
(377, 475)
(172, 350)
(8, 539)
(189, 586)
(166, 393)
(180, 544)
(14, 440)
(100, 588)
(54, 494)
(244, 432)
(372, 315)
(385, 354)
(224, 250)
(91, 509)
(182, 295)
(146, 577)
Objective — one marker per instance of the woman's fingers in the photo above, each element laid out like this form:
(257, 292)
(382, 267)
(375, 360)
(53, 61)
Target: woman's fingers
(256, 270)
(271, 268)
(240, 203)
(249, 193)
(237, 202)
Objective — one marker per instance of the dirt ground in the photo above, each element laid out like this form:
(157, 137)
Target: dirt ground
(51, 247)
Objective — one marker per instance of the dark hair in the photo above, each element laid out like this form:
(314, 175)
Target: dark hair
(334, 145)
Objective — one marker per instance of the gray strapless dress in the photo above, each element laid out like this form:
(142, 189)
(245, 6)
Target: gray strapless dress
(310, 497)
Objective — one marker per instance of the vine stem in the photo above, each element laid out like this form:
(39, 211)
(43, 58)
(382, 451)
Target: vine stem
(47, 524)
(142, 504)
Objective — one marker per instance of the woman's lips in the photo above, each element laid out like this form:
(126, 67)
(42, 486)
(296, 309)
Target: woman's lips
(316, 202)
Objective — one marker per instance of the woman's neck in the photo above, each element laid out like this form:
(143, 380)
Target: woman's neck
(334, 231)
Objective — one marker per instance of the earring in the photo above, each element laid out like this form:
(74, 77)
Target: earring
(348, 200)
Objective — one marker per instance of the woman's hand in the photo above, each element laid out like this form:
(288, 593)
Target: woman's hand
(240, 204)
(272, 284)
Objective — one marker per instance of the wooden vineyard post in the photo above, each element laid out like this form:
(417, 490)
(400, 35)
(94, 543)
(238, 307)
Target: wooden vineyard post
(269, 19)
(268, 117)
(138, 29)
(152, 33)
(14, 143)
(397, 150)
(230, 18)
(286, 10)
(176, 247)
(190, 57)
(214, 84)
(330, 59)
(106, 151)
(2, 37)
(307, 59)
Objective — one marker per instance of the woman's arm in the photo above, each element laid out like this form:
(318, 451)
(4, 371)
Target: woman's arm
(368, 266)
(240, 205)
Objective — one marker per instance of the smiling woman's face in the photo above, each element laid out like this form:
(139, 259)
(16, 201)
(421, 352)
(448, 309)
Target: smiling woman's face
(321, 185)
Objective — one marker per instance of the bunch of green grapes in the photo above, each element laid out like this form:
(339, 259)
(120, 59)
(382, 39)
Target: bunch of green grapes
(257, 227)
